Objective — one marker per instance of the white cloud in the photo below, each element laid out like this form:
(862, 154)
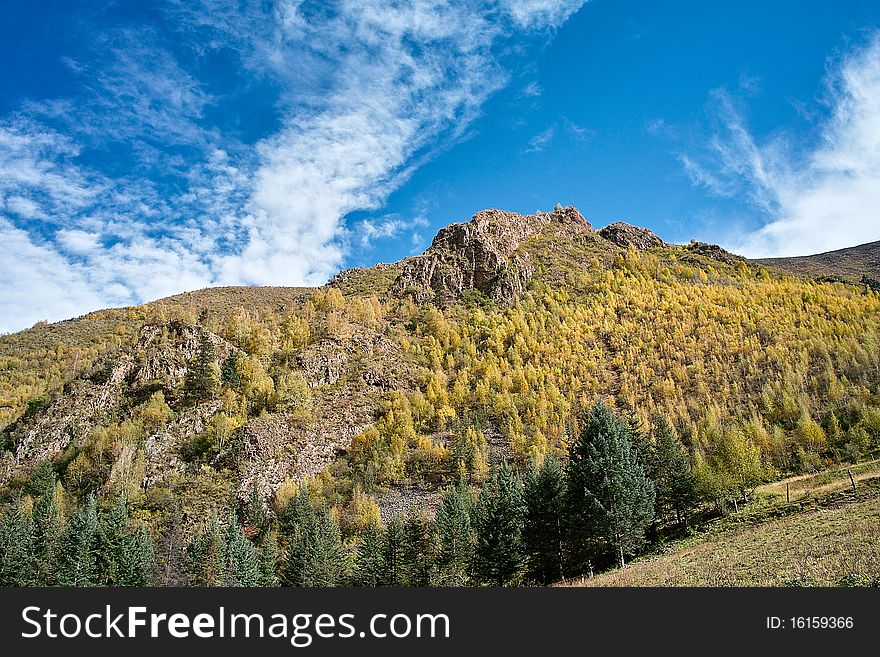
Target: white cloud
(38, 283)
(78, 242)
(819, 199)
(366, 91)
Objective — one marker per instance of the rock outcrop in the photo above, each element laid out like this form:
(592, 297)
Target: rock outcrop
(481, 255)
(713, 252)
(623, 234)
(160, 357)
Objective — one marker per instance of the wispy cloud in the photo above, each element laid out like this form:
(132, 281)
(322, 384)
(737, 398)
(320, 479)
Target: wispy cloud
(362, 93)
(565, 126)
(815, 199)
(542, 140)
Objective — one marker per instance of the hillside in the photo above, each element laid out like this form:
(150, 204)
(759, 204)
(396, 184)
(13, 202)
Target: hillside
(852, 263)
(829, 540)
(376, 391)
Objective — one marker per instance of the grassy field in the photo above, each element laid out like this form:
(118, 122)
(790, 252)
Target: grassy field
(822, 483)
(828, 536)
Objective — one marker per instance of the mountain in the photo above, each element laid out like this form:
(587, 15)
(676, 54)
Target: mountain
(375, 391)
(853, 263)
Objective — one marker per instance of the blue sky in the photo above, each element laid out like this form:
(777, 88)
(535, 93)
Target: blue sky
(152, 148)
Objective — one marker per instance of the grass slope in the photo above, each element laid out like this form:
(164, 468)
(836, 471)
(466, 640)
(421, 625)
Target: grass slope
(854, 262)
(816, 541)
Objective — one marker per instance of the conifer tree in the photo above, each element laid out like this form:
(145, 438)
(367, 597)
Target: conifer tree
(267, 559)
(207, 555)
(370, 567)
(673, 476)
(419, 550)
(46, 529)
(454, 535)
(610, 500)
(242, 564)
(200, 381)
(394, 553)
(139, 562)
(544, 529)
(315, 554)
(498, 515)
(77, 563)
(16, 542)
(112, 529)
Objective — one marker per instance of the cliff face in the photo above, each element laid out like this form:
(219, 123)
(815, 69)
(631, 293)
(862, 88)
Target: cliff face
(481, 255)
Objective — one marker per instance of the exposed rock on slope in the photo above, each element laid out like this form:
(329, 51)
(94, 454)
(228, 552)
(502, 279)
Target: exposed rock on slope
(160, 356)
(624, 234)
(481, 255)
(713, 252)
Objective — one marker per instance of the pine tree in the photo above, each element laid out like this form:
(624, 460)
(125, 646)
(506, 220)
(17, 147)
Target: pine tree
(77, 563)
(16, 541)
(544, 528)
(455, 536)
(610, 500)
(46, 529)
(112, 529)
(200, 382)
(207, 555)
(673, 476)
(370, 569)
(315, 554)
(295, 523)
(419, 550)
(242, 564)
(139, 560)
(498, 515)
(393, 553)
(229, 373)
(267, 559)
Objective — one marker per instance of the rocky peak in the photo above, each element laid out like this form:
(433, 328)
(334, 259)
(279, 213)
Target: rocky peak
(626, 235)
(481, 255)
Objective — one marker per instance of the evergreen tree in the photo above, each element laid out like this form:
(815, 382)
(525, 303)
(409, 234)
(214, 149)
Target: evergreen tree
(46, 529)
(370, 567)
(112, 529)
(455, 536)
(229, 373)
(498, 515)
(77, 563)
(419, 550)
(544, 529)
(294, 524)
(393, 553)
(267, 559)
(673, 476)
(207, 555)
(200, 382)
(242, 563)
(16, 542)
(610, 500)
(315, 554)
(139, 560)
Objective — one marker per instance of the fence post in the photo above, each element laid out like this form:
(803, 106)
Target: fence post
(851, 480)
(787, 493)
